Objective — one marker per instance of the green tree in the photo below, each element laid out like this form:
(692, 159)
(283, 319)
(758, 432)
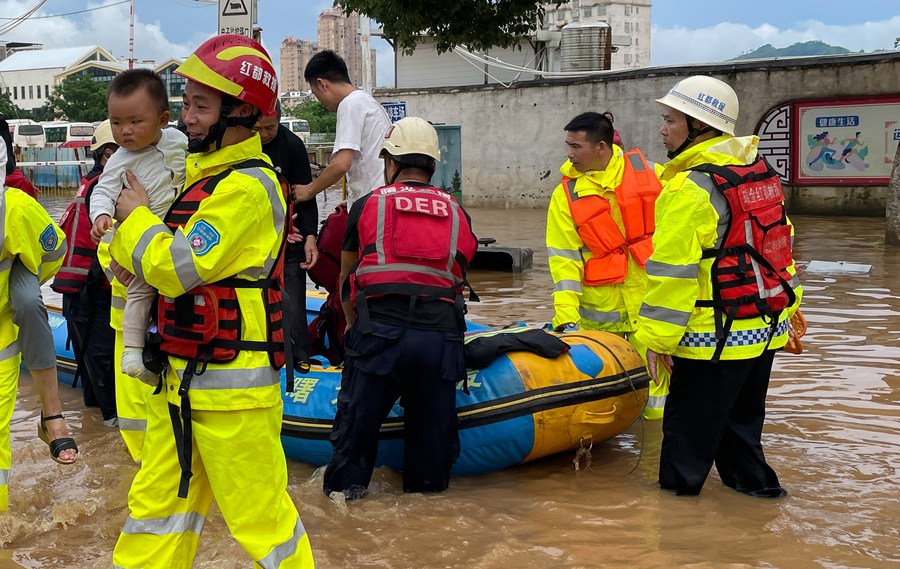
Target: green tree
(8, 109)
(320, 119)
(897, 43)
(475, 24)
(79, 98)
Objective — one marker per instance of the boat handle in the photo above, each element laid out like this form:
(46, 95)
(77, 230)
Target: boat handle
(599, 417)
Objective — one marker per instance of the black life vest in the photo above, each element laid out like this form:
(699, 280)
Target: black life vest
(204, 323)
(750, 277)
(81, 251)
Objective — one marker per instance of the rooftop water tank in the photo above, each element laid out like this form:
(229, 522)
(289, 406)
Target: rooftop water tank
(586, 46)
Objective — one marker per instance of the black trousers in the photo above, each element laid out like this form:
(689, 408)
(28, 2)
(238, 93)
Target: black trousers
(714, 414)
(421, 368)
(93, 341)
(295, 286)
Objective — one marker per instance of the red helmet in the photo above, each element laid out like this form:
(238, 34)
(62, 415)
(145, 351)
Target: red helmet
(237, 66)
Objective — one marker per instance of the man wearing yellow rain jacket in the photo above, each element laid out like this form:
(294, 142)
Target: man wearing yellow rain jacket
(599, 229)
(705, 312)
(214, 430)
(30, 240)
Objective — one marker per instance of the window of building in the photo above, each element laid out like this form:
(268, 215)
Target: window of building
(627, 10)
(15, 92)
(627, 27)
(560, 16)
(586, 12)
(601, 10)
(636, 27)
(637, 9)
(627, 59)
(31, 91)
(47, 90)
(38, 91)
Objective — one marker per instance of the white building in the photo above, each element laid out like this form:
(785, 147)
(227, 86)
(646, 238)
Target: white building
(630, 22)
(29, 77)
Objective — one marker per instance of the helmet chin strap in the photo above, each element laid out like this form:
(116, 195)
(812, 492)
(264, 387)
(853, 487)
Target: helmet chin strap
(217, 131)
(693, 133)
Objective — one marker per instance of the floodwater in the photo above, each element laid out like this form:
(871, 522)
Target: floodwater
(832, 436)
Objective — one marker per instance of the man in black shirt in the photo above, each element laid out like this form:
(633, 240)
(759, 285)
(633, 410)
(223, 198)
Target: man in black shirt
(403, 265)
(288, 155)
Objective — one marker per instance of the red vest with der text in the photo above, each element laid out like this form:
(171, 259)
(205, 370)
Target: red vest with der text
(415, 241)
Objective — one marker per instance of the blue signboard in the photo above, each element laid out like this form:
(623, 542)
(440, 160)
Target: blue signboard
(395, 111)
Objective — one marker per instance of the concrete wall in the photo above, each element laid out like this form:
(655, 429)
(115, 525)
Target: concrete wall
(512, 138)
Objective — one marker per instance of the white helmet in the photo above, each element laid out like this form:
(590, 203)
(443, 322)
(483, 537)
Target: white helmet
(102, 135)
(411, 135)
(706, 99)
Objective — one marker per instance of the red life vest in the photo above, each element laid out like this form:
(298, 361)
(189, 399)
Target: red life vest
(636, 198)
(749, 272)
(204, 324)
(415, 241)
(16, 179)
(81, 250)
(327, 270)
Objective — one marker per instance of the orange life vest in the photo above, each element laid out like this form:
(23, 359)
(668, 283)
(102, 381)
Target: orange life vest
(636, 198)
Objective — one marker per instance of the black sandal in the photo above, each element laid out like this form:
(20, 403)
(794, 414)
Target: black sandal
(56, 445)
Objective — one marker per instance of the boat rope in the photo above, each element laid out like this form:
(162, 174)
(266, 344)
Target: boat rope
(640, 417)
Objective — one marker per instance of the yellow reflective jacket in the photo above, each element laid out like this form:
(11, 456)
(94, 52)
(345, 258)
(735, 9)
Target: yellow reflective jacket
(236, 232)
(612, 307)
(686, 224)
(27, 233)
(119, 291)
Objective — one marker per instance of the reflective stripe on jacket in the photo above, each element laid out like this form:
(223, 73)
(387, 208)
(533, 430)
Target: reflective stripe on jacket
(611, 307)
(693, 216)
(28, 234)
(236, 231)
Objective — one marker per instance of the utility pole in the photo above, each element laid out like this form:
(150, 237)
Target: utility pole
(131, 39)
(365, 41)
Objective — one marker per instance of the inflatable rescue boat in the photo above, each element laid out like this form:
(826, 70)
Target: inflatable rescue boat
(519, 408)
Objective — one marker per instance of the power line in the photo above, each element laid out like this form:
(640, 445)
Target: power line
(72, 13)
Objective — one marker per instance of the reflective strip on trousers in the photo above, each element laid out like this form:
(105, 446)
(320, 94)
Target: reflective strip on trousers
(597, 316)
(4, 477)
(281, 552)
(656, 401)
(229, 378)
(174, 524)
(5, 264)
(132, 424)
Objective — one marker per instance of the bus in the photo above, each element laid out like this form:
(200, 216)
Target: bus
(26, 133)
(299, 127)
(68, 135)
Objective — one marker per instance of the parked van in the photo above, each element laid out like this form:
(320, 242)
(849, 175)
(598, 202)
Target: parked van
(68, 135)
(299, 127)
(26, 133)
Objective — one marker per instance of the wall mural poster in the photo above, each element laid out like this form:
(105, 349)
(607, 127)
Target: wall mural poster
(853, 141)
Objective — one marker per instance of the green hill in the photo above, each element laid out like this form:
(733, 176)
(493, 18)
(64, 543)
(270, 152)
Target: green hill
(798, 49)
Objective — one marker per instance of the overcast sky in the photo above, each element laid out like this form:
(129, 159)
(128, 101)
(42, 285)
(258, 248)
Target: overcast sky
(683, 31)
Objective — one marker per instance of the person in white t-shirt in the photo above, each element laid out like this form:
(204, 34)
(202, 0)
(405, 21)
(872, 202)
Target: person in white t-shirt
(361, 127)
(138, 108)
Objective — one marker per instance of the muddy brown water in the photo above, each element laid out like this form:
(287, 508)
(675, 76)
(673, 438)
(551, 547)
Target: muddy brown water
(831, 433)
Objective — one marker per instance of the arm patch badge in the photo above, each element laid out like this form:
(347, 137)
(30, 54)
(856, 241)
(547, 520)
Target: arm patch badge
(49, 239)
(203, 237)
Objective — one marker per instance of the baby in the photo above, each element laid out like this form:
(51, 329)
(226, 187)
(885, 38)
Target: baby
(138, 105)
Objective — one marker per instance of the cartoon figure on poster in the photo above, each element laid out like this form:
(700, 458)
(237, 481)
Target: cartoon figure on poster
(825, 152)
